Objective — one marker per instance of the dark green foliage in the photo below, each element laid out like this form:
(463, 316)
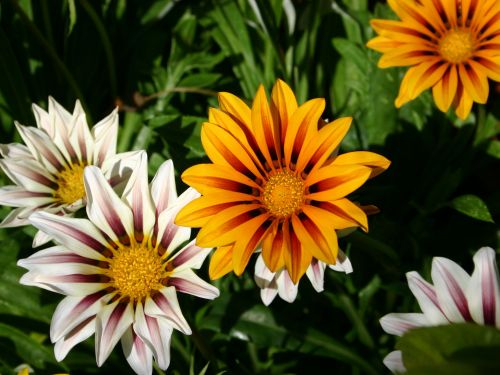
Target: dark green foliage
(163, 62)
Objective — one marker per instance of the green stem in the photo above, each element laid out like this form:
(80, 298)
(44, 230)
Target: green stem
(106, 43)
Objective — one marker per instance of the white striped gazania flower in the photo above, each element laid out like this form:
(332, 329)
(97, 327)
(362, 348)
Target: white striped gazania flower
(48, 170)
(455, 297)
(119, 269)
(279, 283)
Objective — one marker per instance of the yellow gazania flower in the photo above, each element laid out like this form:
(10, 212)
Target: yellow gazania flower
(275, 181)
(452, 46)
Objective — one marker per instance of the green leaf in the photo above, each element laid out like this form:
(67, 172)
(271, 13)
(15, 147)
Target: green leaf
(29, 349)
(452, 349)
(473, 206)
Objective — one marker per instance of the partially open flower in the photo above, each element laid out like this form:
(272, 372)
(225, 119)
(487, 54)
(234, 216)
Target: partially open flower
(48, 171)
(120, 269)
(455, 297)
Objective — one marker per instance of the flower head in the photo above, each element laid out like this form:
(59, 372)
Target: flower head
(279, 283)
(455, 297)
(119, 269)
(48, 170)
(275, 182)
(450, 45)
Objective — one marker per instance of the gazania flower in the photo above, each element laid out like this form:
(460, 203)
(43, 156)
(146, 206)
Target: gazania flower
(275, 181)
(48, 171)
(119, 269)
(279, 283)
(455, 297)
(452, 46)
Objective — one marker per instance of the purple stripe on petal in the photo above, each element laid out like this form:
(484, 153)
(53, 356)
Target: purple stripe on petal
(458, 295)
(186, 255)
(167, 309)
(139, 345)
(113, 321)
(429, 292)
(78, 278)
(31, 174)
(86, 302)
(78, 235)
(168, 235)
(488, 294)
(154, 331)
(64, 258)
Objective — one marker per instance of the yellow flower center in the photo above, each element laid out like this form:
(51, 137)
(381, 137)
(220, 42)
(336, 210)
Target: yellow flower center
(457, 46)
(283, 194)
(70, 184)
(136, 271)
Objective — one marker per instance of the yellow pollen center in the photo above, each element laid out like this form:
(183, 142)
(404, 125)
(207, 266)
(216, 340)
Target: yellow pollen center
(136, 271)
(283, 194)
(70, 184)
(457, 46)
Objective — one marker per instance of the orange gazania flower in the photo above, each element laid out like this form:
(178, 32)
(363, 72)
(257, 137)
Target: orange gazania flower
(274, 182)
(452, 46)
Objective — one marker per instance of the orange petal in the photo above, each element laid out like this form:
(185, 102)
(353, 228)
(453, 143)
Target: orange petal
(313, 239)
(462, 103)
(222, 148)
(406, 55)
(242, 134)
(377, 163)
(197, 212)
(321, 147)
(297, 260)
(263, 127)
(221, 262)
(302, 126)
(225, 227)
(444, 90)
(450, 9)
(275, 244)
(383, 44)
(283, 105)
(335, 181)
(249, 236)
(236, 108)
(212, 178)
(346, 214)
(475, 82)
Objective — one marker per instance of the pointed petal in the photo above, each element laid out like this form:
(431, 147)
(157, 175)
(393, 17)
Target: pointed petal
(343, 263)
(72, 311)
(78, 334)
(427, 298)
(225, 227)
(139, 198)
(317, 241)
(111, 323)
(248, 236)
(163, 188)
(316, 274)
(483, 294)
(375, 162)
(450, 282)
(105, 134)
(165, 305)
(17, 196)
(283, 105)
(186, 281)
(156, 334)
(334, 182)
(79, 235)
(287, 290)
(301, 128)
(29, 174)
(221, 262)
(190, 256)
(105, 209)
(137, 353)
(398, 324)
(394, 362)
(320, 148)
